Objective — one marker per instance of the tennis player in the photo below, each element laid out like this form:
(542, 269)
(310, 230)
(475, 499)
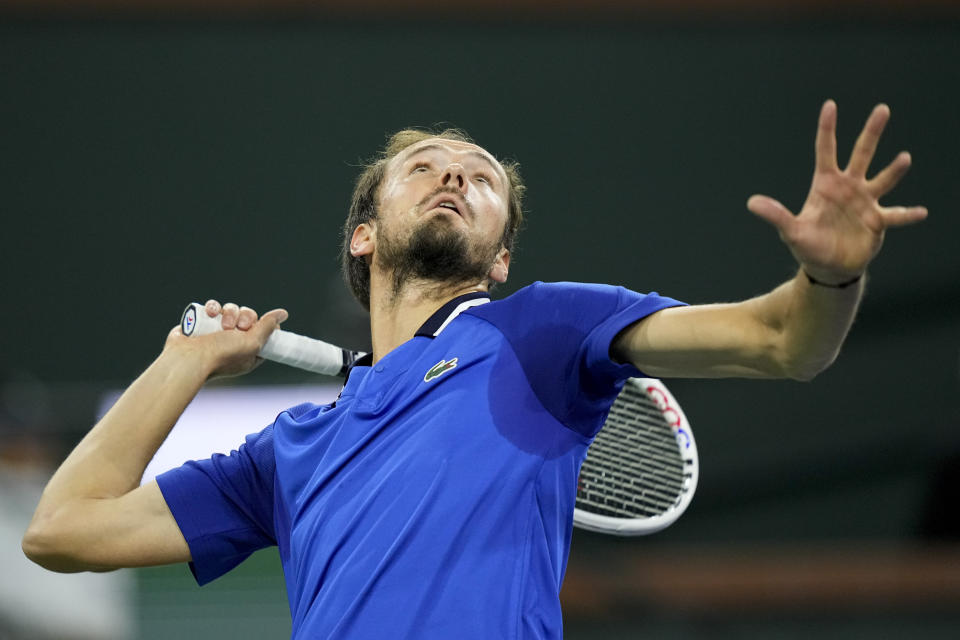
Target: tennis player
(434, 498)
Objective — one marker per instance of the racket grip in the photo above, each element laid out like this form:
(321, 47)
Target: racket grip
(304, 353)
(282, 346)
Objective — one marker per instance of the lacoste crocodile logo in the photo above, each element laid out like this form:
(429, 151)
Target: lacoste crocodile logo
(439, 369)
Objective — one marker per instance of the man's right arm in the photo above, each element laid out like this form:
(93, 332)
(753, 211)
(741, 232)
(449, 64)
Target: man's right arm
(93, 515)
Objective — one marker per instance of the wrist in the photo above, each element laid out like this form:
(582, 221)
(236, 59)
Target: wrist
(831, 284)
(189, 361)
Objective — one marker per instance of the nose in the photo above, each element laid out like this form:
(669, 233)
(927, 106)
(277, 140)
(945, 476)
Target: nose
(454, 176)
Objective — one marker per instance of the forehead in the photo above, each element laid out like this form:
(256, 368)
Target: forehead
(455, 149)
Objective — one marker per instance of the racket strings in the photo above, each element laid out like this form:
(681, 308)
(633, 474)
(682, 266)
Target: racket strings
(609, 489)
(633, 468)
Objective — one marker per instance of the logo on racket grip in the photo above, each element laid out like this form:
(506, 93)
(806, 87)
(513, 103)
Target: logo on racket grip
(189, 322)
(671, 414)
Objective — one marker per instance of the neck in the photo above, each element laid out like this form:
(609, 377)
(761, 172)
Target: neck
(395, 316)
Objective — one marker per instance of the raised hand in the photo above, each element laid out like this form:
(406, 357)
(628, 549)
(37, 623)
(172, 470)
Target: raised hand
(234, 350)
(841, 226)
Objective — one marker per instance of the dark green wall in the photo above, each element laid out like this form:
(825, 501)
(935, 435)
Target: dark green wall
(145, 165)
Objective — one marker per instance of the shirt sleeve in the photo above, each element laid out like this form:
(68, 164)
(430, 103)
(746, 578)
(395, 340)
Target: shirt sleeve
(561, 333)
(224, 505)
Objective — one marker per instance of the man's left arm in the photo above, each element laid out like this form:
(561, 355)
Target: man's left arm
(796, 330)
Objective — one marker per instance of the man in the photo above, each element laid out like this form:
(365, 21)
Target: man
(434, 499)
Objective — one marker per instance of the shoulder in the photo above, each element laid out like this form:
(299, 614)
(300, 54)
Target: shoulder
(566, 303)
(553, 319)
(559, 333)
(545, 291)
(257, 453)
(302, 412)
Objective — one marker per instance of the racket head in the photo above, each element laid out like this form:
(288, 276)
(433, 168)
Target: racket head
(641, 470)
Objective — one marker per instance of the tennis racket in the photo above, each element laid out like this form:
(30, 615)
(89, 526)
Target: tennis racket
(639, 475)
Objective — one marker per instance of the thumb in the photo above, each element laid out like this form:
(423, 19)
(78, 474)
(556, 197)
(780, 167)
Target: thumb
(268, 323)
(766, 208)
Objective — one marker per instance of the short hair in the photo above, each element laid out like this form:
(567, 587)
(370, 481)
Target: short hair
(363, 206)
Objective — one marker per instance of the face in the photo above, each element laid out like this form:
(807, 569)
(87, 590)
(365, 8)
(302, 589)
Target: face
(443, 210)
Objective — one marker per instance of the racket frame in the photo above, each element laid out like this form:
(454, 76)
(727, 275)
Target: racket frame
(661, 396)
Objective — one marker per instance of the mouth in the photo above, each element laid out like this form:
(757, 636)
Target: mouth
(448, 202)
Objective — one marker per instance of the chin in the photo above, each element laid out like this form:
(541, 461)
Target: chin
(443, 228)
(437, 249)
(443, 217)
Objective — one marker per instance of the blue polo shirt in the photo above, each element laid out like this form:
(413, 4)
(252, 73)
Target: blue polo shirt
(435, 498)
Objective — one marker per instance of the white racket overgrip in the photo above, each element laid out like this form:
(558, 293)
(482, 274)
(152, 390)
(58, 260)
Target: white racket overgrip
(282, 346)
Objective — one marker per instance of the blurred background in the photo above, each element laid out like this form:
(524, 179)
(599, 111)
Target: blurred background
(155, 153)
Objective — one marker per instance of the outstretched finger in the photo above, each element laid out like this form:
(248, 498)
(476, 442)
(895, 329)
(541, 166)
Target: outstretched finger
(902, 216)
(886, 180)
(826, 144)
(866, 144)
(772, 211)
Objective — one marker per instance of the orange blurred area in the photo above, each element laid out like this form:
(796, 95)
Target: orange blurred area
(732, 579)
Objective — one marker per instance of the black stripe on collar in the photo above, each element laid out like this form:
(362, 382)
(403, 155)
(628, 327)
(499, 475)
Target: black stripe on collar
(433, 324)
(366, 360)
(428, 329)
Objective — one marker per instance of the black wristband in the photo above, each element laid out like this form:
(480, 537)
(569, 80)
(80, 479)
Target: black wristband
(839, 285)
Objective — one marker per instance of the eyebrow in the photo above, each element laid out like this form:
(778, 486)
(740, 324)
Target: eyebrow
(478, 154)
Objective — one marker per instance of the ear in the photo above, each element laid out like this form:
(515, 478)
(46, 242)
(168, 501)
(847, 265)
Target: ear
(498, 272)
(362, 241)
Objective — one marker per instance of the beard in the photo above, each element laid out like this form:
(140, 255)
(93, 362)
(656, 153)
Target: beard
(435, 251)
